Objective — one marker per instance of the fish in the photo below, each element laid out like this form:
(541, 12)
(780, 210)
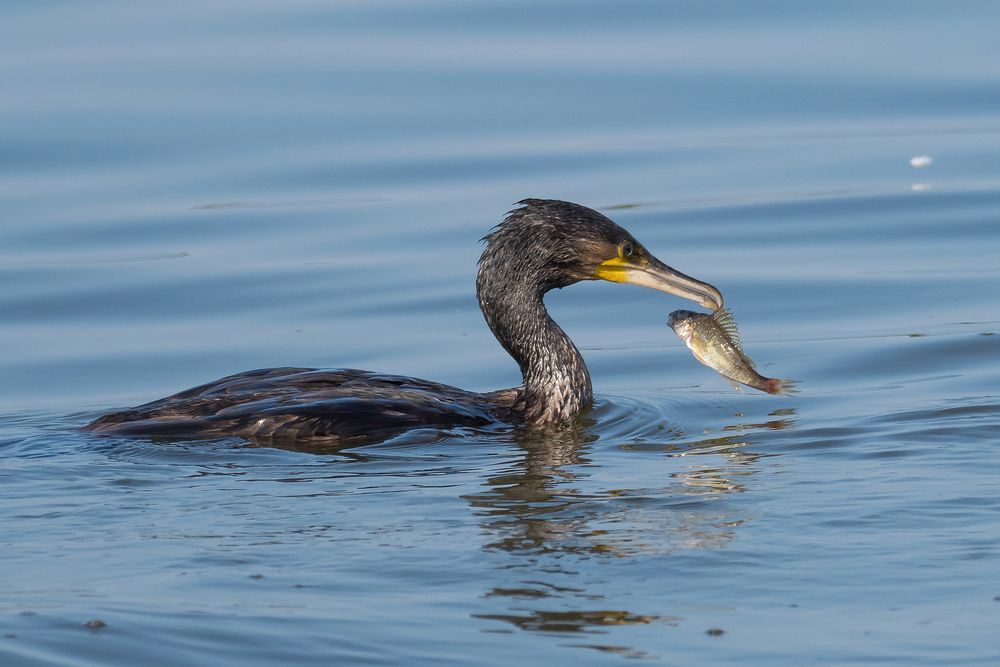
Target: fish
(715, 341)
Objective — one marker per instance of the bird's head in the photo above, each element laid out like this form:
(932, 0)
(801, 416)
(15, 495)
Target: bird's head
(555, 243)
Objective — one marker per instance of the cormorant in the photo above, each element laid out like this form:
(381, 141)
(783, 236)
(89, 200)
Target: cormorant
(542, 245)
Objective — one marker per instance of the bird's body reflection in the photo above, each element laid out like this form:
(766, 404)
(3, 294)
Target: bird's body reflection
(576, 524)
(544, 514)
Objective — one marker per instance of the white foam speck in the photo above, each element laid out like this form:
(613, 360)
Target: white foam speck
(921, 161)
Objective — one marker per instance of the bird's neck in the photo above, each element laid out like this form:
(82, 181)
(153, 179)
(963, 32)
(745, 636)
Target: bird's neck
(556, 381)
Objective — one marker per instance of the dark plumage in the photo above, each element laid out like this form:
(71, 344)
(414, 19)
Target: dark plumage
(545, 244)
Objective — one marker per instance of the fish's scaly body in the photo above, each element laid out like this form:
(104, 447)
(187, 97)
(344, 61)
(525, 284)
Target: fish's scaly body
(714, 341)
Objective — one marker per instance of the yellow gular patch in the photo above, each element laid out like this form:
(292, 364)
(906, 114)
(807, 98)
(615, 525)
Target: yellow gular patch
(615, 269)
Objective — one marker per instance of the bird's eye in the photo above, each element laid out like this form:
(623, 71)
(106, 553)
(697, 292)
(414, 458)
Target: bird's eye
(627, 248)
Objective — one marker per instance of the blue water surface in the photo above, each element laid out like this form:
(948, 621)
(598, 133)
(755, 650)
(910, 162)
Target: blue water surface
(192, 189)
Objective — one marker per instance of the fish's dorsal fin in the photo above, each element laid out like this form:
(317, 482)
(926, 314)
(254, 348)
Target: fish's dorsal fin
(724, 318)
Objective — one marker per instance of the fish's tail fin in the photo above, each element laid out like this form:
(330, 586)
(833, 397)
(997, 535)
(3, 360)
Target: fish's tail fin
(780, 387)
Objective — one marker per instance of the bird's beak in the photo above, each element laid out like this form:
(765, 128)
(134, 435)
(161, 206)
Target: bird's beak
(650, 272)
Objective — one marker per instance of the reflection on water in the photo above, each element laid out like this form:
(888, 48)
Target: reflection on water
(529, 506)
(571, 621)
(538, 513)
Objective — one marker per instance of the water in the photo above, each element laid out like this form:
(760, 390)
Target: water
(199, 189)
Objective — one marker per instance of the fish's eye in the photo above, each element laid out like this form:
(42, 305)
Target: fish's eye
(626, 249)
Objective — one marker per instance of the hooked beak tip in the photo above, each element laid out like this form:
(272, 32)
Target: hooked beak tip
(674, 282)
(713, 298)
